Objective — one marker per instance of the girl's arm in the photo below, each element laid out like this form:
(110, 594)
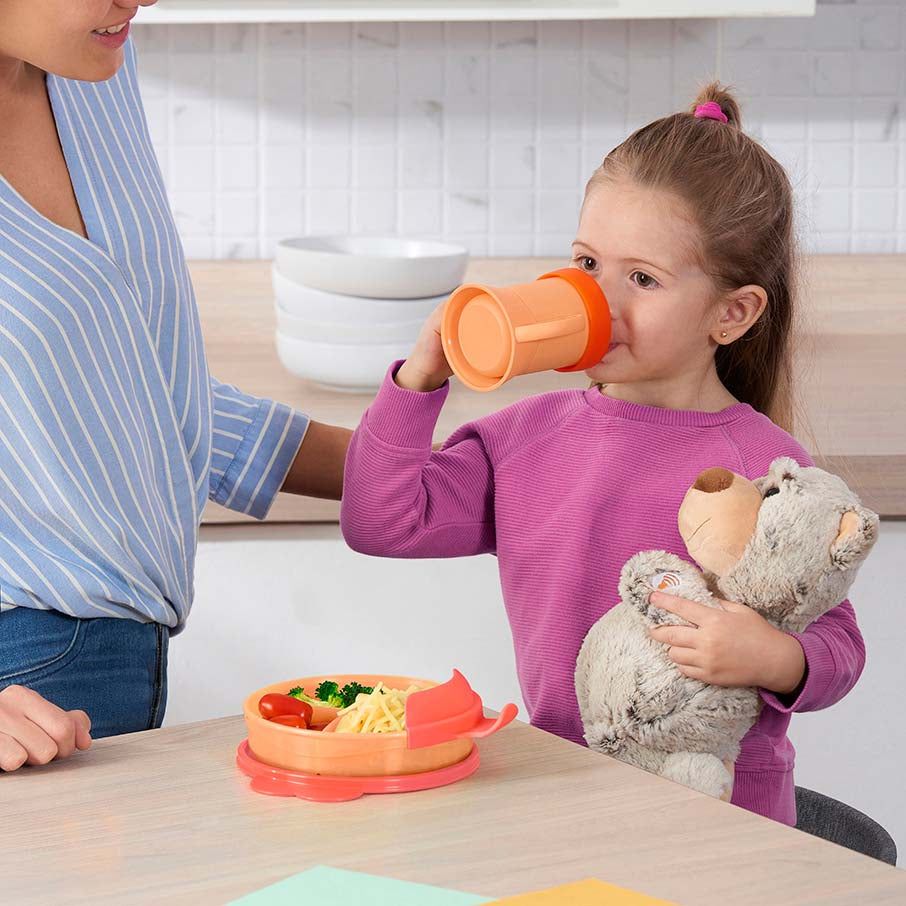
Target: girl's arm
(834, 657)
(400, 499)
(735, 646)
(833, 646)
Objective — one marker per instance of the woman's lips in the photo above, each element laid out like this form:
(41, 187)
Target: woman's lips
(114, 40)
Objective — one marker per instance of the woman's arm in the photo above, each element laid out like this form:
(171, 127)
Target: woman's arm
(255, 442)
(317, 470)
(35, 731)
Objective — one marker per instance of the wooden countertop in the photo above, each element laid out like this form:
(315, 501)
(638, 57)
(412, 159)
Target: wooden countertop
(852, 369)
(165, 817)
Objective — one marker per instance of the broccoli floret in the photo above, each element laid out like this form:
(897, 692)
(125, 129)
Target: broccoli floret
(351, 690)
(326, 689)
(329, 692)
(299, 693)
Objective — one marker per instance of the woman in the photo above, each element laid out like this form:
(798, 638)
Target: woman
(112, 432)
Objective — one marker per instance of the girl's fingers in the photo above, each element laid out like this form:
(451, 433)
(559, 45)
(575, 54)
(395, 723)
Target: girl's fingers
(681, 636)
(690, 611)
(684, 657)
(693, 672)
(12, 754)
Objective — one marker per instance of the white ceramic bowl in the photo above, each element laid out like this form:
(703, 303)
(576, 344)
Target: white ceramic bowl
(334, 308)
(376, 267)
(350, 369)
(353, 334)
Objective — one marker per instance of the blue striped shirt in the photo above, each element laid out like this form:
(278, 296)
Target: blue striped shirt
(112, 432)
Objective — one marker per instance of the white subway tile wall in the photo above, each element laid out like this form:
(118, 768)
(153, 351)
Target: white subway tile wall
(484, 134)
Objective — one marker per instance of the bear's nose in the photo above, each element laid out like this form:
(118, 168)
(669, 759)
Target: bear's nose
(712, 480)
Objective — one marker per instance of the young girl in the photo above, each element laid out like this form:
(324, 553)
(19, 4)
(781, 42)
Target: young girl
(687, 227)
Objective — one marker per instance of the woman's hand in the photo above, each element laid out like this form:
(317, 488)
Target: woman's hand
(427, 368)
(734, 646)
(34, 731)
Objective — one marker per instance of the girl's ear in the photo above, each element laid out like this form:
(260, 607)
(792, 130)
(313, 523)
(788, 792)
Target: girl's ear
(738, 311)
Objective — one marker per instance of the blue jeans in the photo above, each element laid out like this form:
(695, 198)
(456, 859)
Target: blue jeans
(113, 669)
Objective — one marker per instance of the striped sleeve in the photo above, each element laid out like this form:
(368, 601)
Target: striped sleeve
(255, 443)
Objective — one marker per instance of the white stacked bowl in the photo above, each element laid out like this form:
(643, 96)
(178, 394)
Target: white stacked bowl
(347, 306)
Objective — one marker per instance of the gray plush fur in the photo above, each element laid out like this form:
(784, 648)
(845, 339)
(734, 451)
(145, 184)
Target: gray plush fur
(634, 702)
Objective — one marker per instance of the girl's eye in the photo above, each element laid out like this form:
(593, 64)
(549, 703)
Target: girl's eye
(770, 492)
(586, 262)
(643, 280)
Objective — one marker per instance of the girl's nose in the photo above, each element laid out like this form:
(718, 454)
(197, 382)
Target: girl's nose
(613, 309)
(612, 305)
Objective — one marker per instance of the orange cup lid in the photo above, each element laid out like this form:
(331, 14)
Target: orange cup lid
(597, 311)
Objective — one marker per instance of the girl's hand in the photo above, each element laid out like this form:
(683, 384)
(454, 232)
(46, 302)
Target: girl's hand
(34, 731)
(734, 646)
(427, 368)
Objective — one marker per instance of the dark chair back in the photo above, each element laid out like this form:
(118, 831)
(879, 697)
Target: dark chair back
(829, 819)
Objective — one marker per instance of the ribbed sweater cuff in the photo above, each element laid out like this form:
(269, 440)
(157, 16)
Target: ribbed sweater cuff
(820, 670)
(405, 418)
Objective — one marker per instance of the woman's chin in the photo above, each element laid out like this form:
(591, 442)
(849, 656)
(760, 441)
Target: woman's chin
(98, 64)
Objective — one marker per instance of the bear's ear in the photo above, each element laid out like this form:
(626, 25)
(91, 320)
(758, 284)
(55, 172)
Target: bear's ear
(858, 532)
(785, 464)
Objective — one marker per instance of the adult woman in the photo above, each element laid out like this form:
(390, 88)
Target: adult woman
(112, 433)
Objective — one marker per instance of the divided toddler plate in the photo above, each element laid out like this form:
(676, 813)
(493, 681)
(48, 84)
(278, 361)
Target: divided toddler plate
(437, 747)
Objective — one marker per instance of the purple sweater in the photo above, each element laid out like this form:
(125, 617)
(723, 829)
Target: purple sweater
(564, 488)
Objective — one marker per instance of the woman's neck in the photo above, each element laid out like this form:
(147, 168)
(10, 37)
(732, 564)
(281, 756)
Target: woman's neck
(699, 392)
(18, 79)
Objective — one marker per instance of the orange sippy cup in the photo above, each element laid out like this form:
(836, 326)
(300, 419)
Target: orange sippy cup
(493, 333)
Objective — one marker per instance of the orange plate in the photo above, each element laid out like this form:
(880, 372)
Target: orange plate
(344, 754)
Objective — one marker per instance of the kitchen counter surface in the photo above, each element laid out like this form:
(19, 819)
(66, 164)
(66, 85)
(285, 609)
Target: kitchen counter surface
(852, 368)
(165, 817)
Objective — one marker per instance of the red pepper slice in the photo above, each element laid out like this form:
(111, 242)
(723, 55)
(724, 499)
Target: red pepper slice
(276, 704)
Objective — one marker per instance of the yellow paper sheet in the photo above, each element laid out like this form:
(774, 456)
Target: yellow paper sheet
(590, 892)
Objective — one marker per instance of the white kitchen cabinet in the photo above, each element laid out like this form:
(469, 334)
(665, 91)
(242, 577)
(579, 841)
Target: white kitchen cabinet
(208, 11)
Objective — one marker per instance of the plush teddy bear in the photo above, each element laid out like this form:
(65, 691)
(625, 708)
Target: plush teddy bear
(788, 545)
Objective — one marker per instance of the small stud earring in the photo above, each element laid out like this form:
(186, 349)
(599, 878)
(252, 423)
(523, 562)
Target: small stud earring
(723, 333)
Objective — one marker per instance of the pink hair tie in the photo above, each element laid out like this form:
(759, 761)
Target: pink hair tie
(711, 111)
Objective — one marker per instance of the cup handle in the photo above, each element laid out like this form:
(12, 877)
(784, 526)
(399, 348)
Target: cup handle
(550, 330)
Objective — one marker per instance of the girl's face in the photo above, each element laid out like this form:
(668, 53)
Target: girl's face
(638, 244)
(61, 36)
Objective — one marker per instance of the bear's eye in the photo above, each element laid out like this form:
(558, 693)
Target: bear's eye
(770, 492)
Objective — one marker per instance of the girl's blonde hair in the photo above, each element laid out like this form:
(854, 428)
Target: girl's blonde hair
(742, 203)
